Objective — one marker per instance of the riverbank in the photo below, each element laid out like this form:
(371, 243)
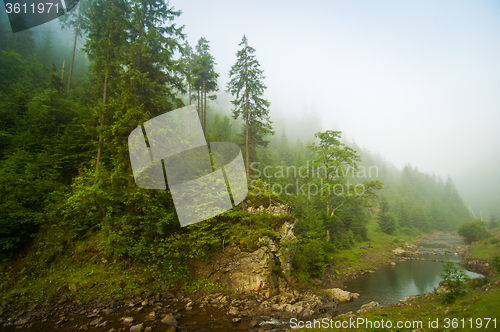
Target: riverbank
(107, 302)
(94, 294)
(428, 312)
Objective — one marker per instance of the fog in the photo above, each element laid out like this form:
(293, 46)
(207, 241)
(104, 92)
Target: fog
(416, 81)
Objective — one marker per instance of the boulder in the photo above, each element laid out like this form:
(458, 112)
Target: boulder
(339, 295)
(73, 287)
(368, 306)
(127, 320)
(169, 320)
(399, 251)
(96, 321)
(137, 328)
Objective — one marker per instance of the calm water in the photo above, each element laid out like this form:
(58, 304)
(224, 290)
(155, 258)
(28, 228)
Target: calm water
(390, 284)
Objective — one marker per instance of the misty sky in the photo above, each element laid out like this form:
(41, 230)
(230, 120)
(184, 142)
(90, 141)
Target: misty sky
(416, 81)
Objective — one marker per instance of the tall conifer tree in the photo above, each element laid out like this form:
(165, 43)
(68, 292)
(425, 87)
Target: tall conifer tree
(246, 84)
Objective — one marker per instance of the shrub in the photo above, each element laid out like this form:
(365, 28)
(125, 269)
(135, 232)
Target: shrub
(496, 263)
(455, 280)
(473, 231)
(310, 257)
(358, 238)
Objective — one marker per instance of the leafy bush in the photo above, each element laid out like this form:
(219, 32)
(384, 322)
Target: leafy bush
(455, 280)
(473, 231)
(494, 241)
(496, 263)
(310, 257)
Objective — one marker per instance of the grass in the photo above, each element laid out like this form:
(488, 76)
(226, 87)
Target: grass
(486, 249)
(357, 259)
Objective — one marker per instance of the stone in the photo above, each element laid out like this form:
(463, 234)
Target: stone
(107, 311)
(84, 327)
(233, 311)
(74, 287)
(169, 320)
(148, 329)
(21, 321)
(398, 251)
(96, 321)
(90, 284)
(338, 295)
(315, 282)
(127, 320)
(103, 324)
(136, 328)
(307, 313)
(151, 316)
(368, 306)
(236, 320)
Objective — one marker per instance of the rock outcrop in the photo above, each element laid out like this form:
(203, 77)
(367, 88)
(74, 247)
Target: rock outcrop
(255, 272)
(478, 266)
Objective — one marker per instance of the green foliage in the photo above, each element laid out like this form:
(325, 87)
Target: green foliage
(496, 263)
(456, 282)
(473, 231)
(203, 284)
(247, 87)
(385, 219)
(493, 222)
(310, 257)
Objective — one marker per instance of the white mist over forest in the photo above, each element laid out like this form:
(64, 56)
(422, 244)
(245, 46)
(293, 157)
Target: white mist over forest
(416, 82)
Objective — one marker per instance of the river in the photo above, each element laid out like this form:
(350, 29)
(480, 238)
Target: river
(390, 284)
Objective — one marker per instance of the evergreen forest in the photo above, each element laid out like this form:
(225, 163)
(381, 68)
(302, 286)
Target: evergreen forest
(67, 191)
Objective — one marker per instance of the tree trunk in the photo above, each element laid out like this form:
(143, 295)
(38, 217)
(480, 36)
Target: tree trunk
(104, 100)
(205, 115)
(101, 124)
(199, 107)
(74, 46)
(62, 71)
(246, 134)
(327, 206)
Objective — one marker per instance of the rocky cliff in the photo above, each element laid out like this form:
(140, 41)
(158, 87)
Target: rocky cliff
(256, 272)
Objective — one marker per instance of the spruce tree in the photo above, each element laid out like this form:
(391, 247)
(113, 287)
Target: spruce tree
(385, 218)
(204, 78)
(246, 84)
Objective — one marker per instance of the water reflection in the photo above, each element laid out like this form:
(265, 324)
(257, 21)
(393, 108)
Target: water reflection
(411, 277)
(390, 284)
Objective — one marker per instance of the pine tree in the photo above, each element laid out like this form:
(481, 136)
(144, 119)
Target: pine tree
(420, 216)
(107, 34)
(204, 78)
(385, 218)
(220, 130)
(246, 84)
(404, 214)
(187, 67)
